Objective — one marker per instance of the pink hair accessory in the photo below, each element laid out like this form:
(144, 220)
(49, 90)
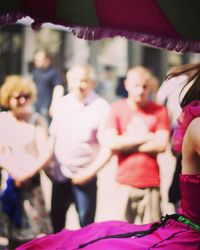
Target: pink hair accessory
(189, 112)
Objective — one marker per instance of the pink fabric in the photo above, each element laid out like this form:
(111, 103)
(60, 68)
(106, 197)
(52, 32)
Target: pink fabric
(190, 204)
(189, 112)
(131, 18)
(173, 235)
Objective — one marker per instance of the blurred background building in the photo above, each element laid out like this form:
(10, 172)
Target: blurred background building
(110, 57)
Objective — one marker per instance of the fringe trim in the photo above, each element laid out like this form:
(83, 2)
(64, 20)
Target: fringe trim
(178, 45)
(96, 33)
(11, 18)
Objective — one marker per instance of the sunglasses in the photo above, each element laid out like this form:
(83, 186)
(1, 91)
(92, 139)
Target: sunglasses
(24, 96)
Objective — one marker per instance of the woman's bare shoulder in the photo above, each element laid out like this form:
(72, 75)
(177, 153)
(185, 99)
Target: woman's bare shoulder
(194, 125)
(193, 132)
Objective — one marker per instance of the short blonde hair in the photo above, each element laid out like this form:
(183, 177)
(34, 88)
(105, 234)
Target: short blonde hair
(140, 70)
(16, 84)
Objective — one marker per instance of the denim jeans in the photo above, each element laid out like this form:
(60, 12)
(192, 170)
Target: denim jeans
(83, 196)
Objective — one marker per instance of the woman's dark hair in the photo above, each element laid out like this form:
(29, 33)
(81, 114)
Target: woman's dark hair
(192, 71)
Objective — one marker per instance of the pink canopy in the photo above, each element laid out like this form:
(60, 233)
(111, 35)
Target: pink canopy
(168, 24)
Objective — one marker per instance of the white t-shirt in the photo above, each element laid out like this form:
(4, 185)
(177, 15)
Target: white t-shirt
(169, 94)
(77, 128)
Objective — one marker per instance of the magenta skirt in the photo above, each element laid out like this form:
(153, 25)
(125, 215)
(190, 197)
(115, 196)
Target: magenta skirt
(172, 236)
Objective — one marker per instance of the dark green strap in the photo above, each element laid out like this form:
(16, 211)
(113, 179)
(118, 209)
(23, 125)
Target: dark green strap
(188, 222)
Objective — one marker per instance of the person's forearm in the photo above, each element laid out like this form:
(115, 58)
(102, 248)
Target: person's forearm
(42, 162)
(101, 160)
(151, 147)
(45, 149)
(57, 93)
(24, 174)
(155, 146)
(126, 143)
(91, 171)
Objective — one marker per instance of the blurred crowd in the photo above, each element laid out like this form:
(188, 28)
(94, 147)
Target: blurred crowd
(73, 128)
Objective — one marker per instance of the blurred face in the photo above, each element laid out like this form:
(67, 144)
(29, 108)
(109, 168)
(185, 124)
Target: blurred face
(80, 82)
(20, 102)
(137, 87)
(40, 60)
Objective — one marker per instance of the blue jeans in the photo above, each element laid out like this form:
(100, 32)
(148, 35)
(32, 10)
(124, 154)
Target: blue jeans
(83, 196)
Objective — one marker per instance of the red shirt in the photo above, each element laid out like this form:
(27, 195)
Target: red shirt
(138, 169)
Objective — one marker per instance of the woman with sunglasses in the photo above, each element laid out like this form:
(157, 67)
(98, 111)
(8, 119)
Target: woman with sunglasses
(23, 152)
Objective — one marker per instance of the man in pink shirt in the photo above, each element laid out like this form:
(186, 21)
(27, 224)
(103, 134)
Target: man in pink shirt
(78, 119)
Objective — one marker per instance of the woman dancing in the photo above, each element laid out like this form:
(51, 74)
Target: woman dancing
(177, 231)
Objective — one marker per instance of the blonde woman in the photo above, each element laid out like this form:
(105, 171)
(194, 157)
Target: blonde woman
(23, 152)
